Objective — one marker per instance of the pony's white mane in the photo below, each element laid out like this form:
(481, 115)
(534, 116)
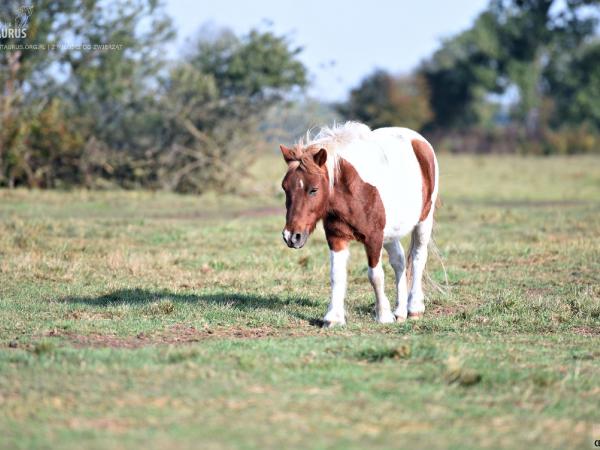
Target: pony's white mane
(333, 139)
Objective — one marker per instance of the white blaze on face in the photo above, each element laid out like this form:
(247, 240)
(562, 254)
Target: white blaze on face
(301, 184)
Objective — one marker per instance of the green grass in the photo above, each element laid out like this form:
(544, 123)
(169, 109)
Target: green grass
(132, 319)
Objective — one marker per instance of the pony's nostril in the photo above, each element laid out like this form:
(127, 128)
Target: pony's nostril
(297, 237)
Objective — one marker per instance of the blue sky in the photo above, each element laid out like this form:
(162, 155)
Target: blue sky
(342, 40)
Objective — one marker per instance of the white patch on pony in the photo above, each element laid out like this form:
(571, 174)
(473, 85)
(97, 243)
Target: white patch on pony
(301, 183)
(335, 313)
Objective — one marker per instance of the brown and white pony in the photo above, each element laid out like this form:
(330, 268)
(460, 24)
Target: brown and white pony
(371, 186)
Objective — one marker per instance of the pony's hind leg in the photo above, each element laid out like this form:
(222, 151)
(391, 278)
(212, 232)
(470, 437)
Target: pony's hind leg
(421, 236)
(398, 263)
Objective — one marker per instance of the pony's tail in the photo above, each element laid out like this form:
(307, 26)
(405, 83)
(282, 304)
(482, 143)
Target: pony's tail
(442, 289)
(409, 258)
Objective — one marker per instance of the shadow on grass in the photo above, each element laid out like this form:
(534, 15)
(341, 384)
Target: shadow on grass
(237, 300)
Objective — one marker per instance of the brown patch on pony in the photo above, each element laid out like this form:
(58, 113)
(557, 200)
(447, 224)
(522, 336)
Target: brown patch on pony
(425, 156)
(355, 212)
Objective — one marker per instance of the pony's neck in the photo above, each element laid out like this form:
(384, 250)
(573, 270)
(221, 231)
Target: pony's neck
(340, 192)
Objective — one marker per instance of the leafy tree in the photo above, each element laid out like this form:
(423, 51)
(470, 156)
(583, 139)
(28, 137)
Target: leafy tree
(384, 100)
(95, 95)
(23, 75)
(216, 103)
(514, 44)
(462, 71)
(259, 65)
(575, 87)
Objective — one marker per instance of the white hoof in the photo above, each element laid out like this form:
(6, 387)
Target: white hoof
(333, 323)
(401, 314)
(416, 305)
(334, 318)
(400, 318)
(385, 317)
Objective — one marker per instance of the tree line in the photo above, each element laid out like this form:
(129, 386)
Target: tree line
(88, 97)
(524, 78)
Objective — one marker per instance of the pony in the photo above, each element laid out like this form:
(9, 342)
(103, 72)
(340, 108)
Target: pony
(372, 186)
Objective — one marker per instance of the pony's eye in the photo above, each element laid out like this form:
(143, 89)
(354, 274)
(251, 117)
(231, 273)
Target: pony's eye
(312, 191)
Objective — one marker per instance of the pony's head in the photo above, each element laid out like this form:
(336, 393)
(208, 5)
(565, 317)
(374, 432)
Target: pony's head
(306, 186)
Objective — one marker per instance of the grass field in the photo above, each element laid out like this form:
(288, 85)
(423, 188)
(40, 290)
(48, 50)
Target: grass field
(133, 319)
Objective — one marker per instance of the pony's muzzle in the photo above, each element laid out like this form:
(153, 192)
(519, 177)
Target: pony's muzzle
(295, 239)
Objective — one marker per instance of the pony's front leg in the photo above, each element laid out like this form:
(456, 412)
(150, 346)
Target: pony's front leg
(338, 255)
(383, 312)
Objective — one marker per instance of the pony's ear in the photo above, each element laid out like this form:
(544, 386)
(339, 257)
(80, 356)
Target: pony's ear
(288, 153)
(320, 157)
